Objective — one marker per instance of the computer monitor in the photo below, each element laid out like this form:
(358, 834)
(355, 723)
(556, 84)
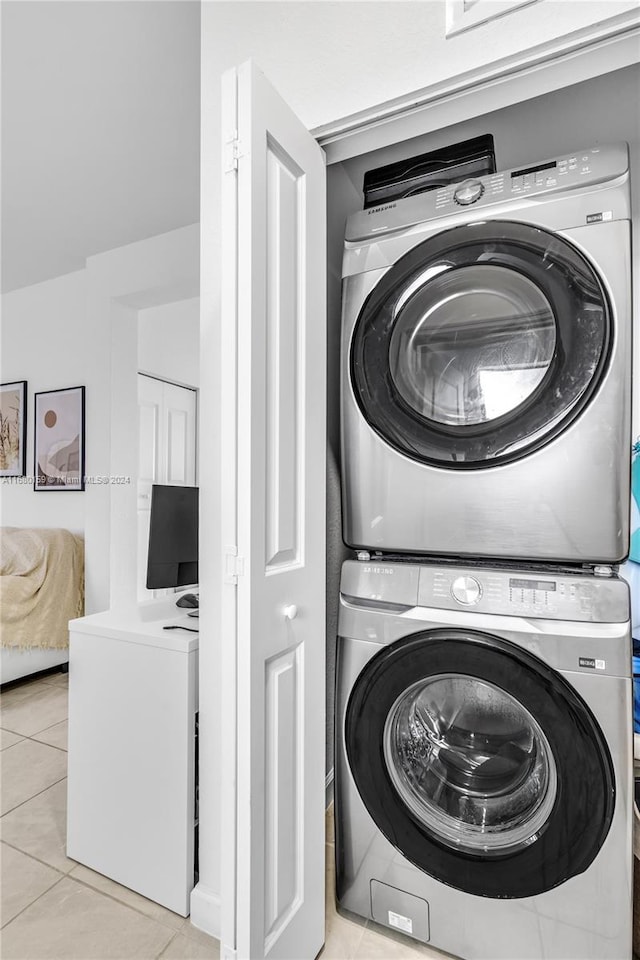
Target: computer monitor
(173, 537)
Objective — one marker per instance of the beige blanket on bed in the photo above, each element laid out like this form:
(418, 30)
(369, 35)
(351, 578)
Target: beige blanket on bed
(41, 586)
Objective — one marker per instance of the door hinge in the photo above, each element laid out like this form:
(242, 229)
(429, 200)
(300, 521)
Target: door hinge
(233, 565)
(233, 152)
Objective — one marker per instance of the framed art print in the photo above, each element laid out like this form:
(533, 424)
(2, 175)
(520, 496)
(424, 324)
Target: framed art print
(13, 429)
(59, 440)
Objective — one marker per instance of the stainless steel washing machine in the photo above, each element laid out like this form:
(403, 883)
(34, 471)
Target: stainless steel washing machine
(484, 759)
(486, 347)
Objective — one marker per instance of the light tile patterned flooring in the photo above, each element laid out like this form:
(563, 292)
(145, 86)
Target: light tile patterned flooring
(53, 907)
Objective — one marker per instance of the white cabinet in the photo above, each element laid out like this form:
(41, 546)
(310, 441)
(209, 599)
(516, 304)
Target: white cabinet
(133, 705)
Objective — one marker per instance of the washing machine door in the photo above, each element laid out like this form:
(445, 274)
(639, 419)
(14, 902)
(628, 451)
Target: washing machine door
(480, 344)
(479, 763)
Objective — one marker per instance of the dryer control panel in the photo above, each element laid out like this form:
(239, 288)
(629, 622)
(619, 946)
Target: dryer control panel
(565, 172)
(583, 168)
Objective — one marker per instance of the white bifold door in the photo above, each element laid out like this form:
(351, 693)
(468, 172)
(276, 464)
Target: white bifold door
(273, 668)
(166, 452)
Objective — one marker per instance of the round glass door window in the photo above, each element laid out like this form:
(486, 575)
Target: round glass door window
(472, 345)
(479, 344)
(471, 763)
(479, 763)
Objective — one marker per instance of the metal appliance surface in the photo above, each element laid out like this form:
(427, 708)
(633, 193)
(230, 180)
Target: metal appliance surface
(486, 351)
(484, 759)
(451, 164)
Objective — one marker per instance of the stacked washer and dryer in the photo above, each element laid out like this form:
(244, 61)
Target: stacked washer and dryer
(483, 700)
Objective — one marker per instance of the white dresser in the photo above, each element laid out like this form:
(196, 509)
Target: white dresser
(133, 702)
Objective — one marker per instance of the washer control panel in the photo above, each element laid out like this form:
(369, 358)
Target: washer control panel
(525, 593)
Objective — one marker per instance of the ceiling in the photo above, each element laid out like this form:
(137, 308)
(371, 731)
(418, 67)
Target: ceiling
(100, 129)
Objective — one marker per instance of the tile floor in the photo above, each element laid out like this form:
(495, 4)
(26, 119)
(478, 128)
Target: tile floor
(53, 907)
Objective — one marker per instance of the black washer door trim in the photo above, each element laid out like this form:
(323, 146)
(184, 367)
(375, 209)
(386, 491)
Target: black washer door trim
(581, 816)
(581, 311)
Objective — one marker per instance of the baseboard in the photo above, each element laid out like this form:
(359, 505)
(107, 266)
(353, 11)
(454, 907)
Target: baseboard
(328, 788)
(205, 910)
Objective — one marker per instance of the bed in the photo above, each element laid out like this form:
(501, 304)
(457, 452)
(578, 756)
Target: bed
(41, 589)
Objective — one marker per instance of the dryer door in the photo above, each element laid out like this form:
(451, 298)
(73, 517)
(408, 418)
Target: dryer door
(479, 763)
(480, 344)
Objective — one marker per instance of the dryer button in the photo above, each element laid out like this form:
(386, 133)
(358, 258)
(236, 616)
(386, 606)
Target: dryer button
(468, 192)
(466, 590)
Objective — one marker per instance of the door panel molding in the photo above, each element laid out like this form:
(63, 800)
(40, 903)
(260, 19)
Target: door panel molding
(285, 327)
(284, 720)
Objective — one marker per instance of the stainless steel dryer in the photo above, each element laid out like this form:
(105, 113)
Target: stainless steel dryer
(486, 347)
(484, 759)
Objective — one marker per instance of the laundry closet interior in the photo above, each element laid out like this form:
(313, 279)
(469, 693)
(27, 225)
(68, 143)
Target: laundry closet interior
(595, 112)
(569, 118)
(443, 806)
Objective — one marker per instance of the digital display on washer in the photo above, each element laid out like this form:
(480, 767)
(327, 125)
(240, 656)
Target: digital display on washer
(516, 584)
(541, 166)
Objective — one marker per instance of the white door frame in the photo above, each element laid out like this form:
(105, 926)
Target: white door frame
(582, 55)
(579, 56)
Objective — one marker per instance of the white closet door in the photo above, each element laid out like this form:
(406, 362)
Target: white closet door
(150, 393)
(167, 452)
(274, 332)
(179, 429)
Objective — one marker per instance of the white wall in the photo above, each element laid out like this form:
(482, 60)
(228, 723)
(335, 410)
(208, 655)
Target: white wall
(81, 329)
(169, 342)
(47, 341)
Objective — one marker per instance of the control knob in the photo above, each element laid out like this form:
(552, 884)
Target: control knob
(466, 590)
(468, 192)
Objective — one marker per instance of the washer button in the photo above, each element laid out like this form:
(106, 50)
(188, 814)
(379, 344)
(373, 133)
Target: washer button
(466, 590)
